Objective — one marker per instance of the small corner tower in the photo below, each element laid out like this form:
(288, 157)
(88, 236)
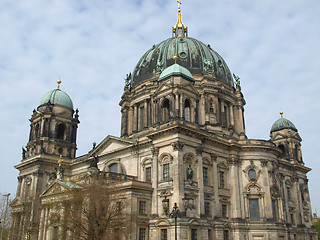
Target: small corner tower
(285, 135)
(54, 126)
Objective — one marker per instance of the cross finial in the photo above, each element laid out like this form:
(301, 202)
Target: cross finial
(60, 160)
(179, 3)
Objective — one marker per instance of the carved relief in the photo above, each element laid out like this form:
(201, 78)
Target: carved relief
(177, 146)
(234, 160)
(199, 150)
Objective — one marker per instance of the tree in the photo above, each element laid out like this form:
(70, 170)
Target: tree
(317, 226)
(5, 216)
(94, 211)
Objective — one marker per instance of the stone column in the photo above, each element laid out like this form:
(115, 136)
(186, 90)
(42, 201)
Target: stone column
(146, 120)
(135, 118)
(192, 110)
(130, 118)
(176, 105)
(267, 187)
(236, 201)
(177, 173)
(182, 106)
(155, 180)
(231, 114)
(202, 115)
(124, 122)
(200, 209)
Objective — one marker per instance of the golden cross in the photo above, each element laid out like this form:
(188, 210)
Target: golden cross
(60, 160)
(179, 2)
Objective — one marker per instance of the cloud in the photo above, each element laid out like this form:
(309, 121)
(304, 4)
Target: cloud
(273, 46)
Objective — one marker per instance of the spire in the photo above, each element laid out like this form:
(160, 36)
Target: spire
(179, 30)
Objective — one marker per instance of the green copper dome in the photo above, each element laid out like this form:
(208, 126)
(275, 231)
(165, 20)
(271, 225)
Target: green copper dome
(175, 70)
(57, 97)
(282, 123)
(192, 54)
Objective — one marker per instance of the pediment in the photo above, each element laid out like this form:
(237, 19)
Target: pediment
(16, 202)
(284, 135)
(110, 144)
(58, 187)
(186, 87)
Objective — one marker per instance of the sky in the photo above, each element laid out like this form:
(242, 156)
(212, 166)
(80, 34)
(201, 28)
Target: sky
(92, 44)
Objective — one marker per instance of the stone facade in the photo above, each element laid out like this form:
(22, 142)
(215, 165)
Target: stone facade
(182, 141)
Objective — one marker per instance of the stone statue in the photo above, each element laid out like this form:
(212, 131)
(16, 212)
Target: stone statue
(127, 81)
(24, 151)
(189, 173)
(237, 78)
(53, 175)
(94, 162)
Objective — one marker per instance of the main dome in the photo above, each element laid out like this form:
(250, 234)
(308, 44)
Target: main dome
(192, 54)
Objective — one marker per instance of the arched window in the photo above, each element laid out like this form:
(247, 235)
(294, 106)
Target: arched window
(211, 109)
(37, 131)
(283, 151)
(61, 131)
(165, 110)
(296, 155)
(115, 168)
(187, 110)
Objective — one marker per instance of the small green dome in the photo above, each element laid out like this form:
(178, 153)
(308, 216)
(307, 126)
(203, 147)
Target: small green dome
(175, 70)
(282, 123)
(57, 97)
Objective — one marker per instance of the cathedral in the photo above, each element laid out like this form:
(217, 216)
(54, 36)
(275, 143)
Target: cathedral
(182, 158)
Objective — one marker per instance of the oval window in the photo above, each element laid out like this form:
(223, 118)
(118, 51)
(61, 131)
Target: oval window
(252, 174)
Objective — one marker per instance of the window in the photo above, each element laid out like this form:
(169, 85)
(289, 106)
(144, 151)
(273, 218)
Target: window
(254, 210)
(194, 234)
(224, 210)
(165, 110)
(166, 172)
(225, 235)
(115, 168)
(60, 132)
(55, 233)
(207, 208)
(142, 234)
(283, 151)
(148, 174)
(274, 210)
(211, 107)
(225, 122)
(187, 110)
(252, 174)
(221, 174)
(37, 131)
(209, 234)
(164, 234)
(289, 193)
(142, 207)
(141, 118)
(292, 219)
(205, 176)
